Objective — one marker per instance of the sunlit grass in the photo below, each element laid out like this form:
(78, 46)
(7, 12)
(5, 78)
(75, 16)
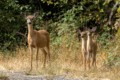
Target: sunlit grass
(64, 61)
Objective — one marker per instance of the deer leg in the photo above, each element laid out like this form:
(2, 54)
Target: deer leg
(94, 60)
(48, 55)
(88, 60)
(37, 58)
(31, 53)
(91, 59)
(82, 58)
(48, 49)
(85, 62)
(45, 54)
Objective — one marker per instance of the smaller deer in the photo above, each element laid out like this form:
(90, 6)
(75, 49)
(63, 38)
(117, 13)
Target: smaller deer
(88, 47)
(91, 47)
(37, 39)
(83, 47)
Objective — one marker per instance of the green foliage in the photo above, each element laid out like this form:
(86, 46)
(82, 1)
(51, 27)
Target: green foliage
(63, 17)
(11, 22)
(113, 54)
(105, 37)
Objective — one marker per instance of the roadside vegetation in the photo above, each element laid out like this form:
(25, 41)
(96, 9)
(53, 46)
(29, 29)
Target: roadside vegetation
(61, 18)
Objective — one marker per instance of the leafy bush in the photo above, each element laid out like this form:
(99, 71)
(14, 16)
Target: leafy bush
(113, 58)
(63, 17)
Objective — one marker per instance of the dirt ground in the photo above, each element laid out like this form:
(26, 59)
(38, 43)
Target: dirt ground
(11, 75)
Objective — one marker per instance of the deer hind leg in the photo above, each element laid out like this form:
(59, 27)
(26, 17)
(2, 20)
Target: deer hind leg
(94, 60)
(91, 59)
(49, 54)
(37, 58)
(45, 54)
(31, 53)
(85, 62)
(48, 49)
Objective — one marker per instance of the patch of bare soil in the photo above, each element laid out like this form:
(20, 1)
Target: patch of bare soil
(11, 75)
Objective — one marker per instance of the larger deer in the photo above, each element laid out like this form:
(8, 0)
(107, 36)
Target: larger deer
(37, 39)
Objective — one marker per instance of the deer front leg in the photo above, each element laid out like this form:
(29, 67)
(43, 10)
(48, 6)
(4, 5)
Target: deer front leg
(37, 58)
(31, 54)
(84, 60)
(88, 60)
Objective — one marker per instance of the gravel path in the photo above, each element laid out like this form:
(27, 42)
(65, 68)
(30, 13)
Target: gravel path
(10, 75)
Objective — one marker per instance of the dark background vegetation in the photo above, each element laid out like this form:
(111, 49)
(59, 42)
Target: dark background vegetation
(74, 13)
(59, 17)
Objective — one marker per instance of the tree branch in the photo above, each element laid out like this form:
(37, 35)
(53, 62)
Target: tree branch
(21, 34)
(112, 12)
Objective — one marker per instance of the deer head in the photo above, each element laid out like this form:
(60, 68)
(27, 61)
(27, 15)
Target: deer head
(30, 18)
(82, 32)
(91, 31)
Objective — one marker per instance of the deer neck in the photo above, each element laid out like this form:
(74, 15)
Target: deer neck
(84, 43)
(89, 41)
(30, 29)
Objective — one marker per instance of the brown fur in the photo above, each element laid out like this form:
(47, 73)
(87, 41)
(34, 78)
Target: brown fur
(37, 39)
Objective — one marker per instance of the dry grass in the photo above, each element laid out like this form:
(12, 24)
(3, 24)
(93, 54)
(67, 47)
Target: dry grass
(64, 61)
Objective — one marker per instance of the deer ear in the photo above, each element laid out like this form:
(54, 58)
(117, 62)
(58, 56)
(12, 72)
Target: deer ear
(35, 14)
(85, 28)
(93, 29)
(79, 31)
(25, 15)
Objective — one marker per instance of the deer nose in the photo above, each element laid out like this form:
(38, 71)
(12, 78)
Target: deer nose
(89, 34)
(82, 36)
(28, 21)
